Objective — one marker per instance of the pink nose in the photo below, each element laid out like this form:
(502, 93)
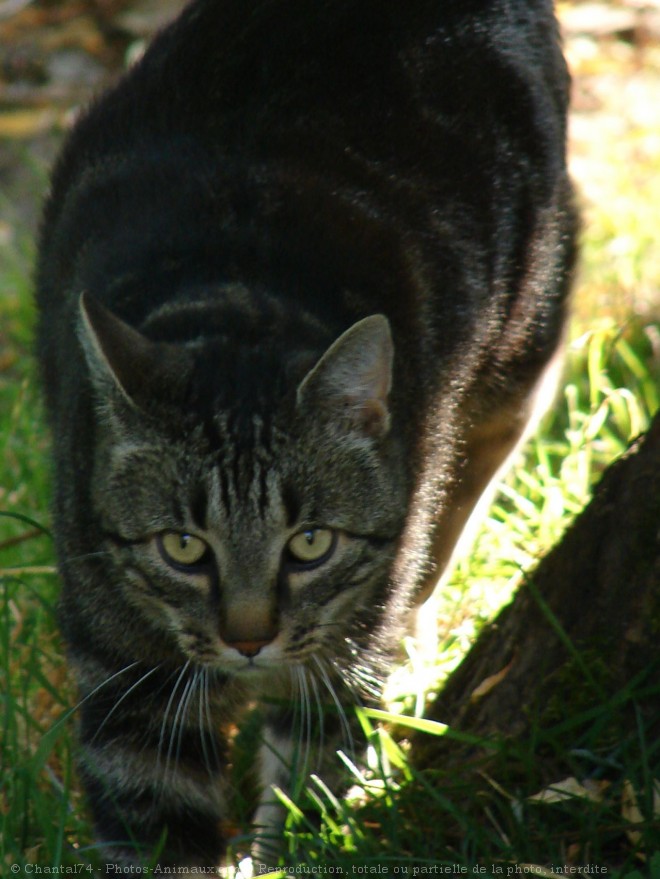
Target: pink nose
(248, 648)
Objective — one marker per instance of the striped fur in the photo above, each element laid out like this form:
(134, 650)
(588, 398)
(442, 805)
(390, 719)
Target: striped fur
(300, 274)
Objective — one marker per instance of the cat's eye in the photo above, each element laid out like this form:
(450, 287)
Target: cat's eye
(311, 547)
(183, 550)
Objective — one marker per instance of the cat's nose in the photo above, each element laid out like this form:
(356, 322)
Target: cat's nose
(248, 648)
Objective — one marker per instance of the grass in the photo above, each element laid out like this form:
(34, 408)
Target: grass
(397, 820)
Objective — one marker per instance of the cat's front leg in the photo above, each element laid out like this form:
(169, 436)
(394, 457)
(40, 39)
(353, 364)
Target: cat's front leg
(153, 767)
(298, 742)
(275, 772)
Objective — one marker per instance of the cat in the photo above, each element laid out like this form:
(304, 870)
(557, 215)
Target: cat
(302, 272)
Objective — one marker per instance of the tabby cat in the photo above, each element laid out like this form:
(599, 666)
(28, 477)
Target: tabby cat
(302, 272)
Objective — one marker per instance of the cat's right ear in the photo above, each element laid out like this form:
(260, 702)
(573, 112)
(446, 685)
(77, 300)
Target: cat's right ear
(121, 359)
(352, 380)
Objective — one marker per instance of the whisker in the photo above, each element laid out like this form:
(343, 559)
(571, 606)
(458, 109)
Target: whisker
(183, 710)
(298, 717)
(161, 740)
(357, 677)
(346, 731)
(304, 692)
(321, 713)
(67, 714)
(202, 709)
(209, 717)
(124, 695)
(360, 680)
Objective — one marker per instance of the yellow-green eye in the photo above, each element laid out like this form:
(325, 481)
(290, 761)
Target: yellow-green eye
(311, 547)
(184, 550)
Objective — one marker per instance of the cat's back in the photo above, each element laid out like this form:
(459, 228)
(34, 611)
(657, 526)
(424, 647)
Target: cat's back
(396, 83)
(267, 61)
(404, 152)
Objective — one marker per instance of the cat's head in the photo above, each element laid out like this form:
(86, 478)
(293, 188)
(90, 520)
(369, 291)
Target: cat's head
(255, 532)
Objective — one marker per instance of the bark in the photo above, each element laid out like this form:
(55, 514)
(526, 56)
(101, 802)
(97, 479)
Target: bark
(584, 626)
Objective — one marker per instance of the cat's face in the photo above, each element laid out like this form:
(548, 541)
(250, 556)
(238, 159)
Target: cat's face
(255, 542)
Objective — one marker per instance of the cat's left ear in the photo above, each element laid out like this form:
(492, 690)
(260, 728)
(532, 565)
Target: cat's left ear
(121, 359)
(352, 380)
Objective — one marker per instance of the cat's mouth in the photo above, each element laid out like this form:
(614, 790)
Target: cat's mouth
(245, 659)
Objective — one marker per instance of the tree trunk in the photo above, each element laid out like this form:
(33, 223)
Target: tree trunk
(584, 625)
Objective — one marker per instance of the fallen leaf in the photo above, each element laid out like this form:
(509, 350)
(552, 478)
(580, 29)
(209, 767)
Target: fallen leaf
(631, 812)
(570, 788)
(490, 683)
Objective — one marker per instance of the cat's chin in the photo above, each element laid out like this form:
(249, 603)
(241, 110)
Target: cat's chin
(253, 671)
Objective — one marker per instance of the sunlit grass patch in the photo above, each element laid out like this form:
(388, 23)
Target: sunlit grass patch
(610, 392)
